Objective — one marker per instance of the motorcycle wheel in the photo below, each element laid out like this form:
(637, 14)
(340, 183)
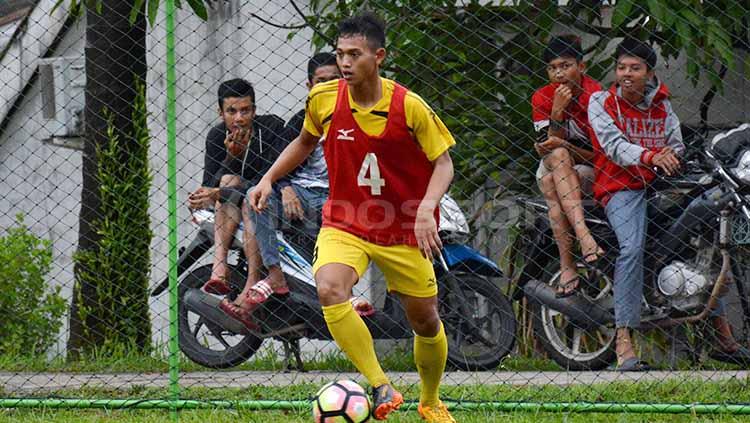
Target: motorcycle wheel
(206, 343)
(571, 347)
(481, 340)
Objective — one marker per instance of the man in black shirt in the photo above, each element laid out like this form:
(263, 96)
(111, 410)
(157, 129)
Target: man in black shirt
(249, 145)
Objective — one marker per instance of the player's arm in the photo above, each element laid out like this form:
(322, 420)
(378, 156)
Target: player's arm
(292, 156)
(425, 227)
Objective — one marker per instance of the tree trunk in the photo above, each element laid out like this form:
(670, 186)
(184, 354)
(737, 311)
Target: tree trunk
(115, 59)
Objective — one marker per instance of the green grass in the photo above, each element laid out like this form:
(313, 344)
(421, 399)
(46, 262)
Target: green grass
(672, 391)
(216, 416)
(398, 360)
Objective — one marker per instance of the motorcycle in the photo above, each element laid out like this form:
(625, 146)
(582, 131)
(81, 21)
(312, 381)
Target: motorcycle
(698, 232)
(479, 320)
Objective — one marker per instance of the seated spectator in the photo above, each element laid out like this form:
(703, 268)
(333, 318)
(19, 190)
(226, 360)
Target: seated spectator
(560, 115)
(252, 143)
(626, 152)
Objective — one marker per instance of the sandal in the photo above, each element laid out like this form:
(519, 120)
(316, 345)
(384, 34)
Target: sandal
(218, 286)
(565, 293)
(238, 313)
(633, 364)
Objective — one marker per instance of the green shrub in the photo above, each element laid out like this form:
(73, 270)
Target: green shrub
(31, 313)
(115, 311)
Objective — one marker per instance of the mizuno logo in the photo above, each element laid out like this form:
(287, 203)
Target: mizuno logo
(344, 135)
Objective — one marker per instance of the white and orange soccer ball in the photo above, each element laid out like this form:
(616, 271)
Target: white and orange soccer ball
(343, 401)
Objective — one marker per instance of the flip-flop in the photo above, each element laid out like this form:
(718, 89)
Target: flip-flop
(564, 286)
(633, 364)
(217, 286)
(741, 356)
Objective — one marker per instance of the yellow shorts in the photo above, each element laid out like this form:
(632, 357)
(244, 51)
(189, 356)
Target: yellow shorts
(405, 270)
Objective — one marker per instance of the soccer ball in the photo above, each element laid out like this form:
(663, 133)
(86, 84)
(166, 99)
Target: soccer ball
(343, 401)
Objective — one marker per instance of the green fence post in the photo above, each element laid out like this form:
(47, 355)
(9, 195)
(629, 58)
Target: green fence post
(174, 359)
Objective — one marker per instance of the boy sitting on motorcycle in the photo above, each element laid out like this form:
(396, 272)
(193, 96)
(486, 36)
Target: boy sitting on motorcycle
(634, 132)
(560, 115)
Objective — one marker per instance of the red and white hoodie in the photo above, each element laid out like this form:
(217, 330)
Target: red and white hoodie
(625, 137)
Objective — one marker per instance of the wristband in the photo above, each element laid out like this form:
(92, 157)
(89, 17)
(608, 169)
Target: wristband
(557, 125)
(647, 157)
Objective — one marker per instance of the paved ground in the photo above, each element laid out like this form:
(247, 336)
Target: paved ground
(30, 383)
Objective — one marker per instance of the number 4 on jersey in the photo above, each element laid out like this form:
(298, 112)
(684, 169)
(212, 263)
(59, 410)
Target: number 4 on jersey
(374, 181)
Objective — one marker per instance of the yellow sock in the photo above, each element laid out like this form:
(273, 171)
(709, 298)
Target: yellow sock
(430, 355)
(352, 336)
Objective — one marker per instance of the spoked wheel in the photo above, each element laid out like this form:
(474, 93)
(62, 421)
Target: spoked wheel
(205, 342)
(479, 323)
(570, 346)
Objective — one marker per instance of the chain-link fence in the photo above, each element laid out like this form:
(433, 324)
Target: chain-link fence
(548, 164)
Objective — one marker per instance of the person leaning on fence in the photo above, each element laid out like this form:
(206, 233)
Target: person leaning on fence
(388, 165)
(559, 112)
(298, 196)
(252, 143)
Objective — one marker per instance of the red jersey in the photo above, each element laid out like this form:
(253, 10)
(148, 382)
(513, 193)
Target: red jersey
(576, 114)
(376, 182)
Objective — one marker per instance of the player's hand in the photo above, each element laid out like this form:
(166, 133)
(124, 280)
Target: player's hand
(237, 140)
(667, 160)
(259, 195)
(426, 231)
(563, 95)
(546, 147)
(203, 197)
(292, 206)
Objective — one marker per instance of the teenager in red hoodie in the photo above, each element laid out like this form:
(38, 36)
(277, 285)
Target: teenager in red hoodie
(634, 130)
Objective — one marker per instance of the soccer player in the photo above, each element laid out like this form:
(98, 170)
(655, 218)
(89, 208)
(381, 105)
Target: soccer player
(388, 166)
(559, 112)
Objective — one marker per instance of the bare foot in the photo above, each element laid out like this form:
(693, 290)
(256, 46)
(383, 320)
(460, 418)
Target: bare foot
(590, 250)
(624, 346)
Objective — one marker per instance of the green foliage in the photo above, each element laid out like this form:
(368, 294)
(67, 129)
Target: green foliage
(77, 6)
(119, 268)
(30, 312)
(478, 63)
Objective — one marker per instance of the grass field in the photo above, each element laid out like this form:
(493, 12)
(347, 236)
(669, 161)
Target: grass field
(216, 416)
(675, 391)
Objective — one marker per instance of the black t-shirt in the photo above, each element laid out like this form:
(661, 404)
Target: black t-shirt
(214, 156)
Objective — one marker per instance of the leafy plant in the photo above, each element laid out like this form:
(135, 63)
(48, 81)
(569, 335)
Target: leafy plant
(30, 312)
(117, 315)
(478, 63)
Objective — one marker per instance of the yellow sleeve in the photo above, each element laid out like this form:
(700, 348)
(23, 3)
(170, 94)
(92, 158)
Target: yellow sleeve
(320, 101)
(430, 131)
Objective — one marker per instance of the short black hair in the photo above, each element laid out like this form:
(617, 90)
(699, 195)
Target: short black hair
(636, 48)
(563, 46)
(235, 88)
(320, 59)
(366, 24)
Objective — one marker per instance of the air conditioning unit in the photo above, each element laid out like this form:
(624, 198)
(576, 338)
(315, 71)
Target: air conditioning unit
(63, 81)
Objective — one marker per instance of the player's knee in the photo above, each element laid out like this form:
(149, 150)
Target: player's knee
(426, 324)
(330, 290)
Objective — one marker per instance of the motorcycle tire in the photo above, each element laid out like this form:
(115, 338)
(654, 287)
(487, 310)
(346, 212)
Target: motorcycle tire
(481, 340)
(553, 331)
(198, 351)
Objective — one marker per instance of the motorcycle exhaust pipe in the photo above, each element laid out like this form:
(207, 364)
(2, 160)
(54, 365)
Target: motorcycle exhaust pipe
(579, 310)
(207, 306)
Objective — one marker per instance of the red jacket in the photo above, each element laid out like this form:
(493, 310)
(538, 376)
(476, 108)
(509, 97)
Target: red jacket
(622, 133)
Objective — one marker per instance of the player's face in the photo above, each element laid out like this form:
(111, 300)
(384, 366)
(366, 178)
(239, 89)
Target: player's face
(237, 112)
(632, 75)
(357, 60)
(566, 70)
(324, 74)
